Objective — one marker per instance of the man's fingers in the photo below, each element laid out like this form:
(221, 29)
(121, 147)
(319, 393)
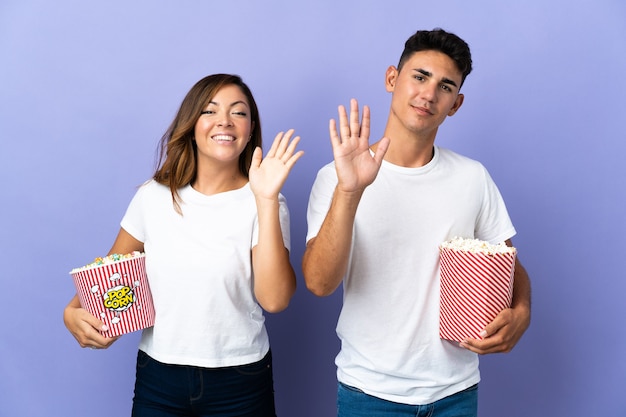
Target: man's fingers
(355, 126)
(344, 125)
(334, 136)
(365, 123)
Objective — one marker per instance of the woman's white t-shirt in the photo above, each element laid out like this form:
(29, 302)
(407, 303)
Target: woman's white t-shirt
(200, 274)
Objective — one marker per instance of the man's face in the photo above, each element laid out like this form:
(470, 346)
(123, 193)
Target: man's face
(424, 92)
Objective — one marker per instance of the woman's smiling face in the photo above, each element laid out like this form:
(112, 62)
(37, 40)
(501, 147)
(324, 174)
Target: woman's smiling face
(223, 129)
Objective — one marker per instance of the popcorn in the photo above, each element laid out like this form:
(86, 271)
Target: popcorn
(476, 284)
(477, 246)
(115, 289)
(109, 259)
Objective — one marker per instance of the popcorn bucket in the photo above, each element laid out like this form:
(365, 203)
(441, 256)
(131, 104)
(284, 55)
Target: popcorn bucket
(117, 293)
(475, 287)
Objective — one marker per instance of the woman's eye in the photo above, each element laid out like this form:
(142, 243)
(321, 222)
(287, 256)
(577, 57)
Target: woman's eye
(240, 113)
(207, 112)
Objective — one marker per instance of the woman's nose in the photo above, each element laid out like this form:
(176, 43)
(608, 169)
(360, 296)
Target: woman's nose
(225, 120)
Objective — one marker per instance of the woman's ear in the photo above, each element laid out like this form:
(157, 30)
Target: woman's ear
(251, 130)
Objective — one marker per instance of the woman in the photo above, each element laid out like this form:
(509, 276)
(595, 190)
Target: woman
(215, 231)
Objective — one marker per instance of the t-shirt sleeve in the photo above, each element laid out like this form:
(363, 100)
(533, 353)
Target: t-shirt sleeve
(493, 223)
(133, 220)
(320, 198)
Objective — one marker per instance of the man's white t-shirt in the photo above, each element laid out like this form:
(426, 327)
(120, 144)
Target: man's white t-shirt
(389, 322)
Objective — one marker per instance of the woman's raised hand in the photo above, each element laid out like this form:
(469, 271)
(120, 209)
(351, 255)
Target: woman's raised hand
(267, 175)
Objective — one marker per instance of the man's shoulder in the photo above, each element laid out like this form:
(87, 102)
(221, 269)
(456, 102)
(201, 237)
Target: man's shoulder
(327, 171)
(450, 156)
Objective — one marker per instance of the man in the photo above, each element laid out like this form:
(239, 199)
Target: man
(376, 217)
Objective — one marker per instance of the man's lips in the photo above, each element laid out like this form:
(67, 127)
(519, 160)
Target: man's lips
(423, 110)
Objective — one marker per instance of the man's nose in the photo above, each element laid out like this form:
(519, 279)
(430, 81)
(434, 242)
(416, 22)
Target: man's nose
(429, 92)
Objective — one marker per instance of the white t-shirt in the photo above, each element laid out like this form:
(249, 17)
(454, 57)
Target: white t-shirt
(199, 268)
(389, 322)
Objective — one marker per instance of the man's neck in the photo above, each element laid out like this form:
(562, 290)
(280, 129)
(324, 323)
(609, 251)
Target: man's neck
(409, 150)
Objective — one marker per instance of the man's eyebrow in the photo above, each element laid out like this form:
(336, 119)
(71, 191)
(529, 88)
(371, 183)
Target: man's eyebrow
(429, 74)
(424, 72)
(448, 81)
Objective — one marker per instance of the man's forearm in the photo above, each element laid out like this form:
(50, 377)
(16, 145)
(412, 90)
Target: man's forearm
(325, 259)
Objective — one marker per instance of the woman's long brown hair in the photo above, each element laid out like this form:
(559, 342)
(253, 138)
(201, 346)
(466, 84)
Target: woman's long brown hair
(177, 157)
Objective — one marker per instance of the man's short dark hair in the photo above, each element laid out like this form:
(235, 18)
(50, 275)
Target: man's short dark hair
(439, 40)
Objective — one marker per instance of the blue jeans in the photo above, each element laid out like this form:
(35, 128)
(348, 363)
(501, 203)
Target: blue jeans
(352, 402)
(163, 390)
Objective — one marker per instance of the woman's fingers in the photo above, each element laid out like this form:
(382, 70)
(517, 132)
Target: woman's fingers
(280, 144)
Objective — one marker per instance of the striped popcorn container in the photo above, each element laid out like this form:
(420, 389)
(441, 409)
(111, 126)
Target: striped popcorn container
(118, 293)
(476, 285)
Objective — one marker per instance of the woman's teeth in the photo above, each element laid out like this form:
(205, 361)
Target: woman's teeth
(223, 138)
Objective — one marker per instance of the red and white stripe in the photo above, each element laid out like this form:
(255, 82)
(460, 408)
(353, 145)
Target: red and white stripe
(475, 287)
(138, 316)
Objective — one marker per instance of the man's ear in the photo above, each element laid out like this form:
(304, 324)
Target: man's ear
(390, 78)
(457, 104)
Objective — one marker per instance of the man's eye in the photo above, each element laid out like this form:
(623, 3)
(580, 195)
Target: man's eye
(445, 87)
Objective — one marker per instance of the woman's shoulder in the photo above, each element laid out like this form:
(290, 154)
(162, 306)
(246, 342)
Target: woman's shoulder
(152, 189)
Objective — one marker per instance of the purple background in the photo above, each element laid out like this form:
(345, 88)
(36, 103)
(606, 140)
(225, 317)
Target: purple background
(87, 89)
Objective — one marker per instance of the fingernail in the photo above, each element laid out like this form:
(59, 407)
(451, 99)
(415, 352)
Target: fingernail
(483, 333)
(105, 328)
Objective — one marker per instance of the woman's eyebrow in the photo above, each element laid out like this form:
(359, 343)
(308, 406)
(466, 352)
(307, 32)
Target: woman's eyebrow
(231, 104)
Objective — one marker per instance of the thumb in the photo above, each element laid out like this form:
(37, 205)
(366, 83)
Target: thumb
(501, 320)
(257, 156)
(93, 321)
(381, 149)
